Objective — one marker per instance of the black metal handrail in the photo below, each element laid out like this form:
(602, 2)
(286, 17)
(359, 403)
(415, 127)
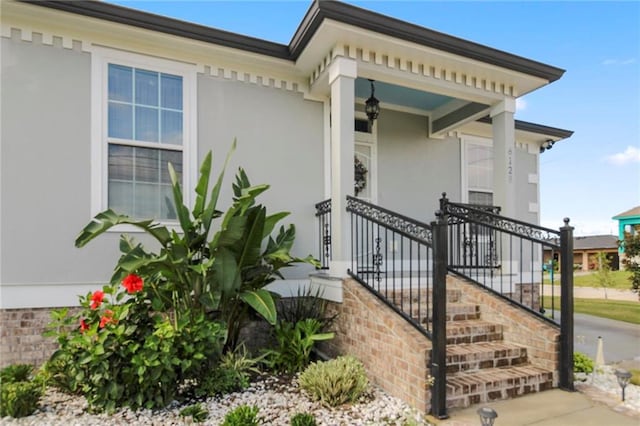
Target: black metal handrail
(392, 257)
(506, 257)
(323, 213)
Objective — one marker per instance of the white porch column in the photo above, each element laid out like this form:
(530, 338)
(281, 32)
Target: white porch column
(342, 75)
(504, 156)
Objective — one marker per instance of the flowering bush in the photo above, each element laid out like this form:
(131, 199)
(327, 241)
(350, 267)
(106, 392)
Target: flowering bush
(118, 351)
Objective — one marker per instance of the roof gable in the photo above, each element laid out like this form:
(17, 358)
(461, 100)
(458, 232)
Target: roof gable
(629, 213)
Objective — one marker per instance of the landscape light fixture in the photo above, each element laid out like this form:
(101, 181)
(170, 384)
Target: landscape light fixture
(372, 105)
(487, 416)
(623, 377)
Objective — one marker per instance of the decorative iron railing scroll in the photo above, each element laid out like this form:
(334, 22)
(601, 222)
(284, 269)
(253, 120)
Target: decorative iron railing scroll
(461, 213)
(323, 213)
(404, 225)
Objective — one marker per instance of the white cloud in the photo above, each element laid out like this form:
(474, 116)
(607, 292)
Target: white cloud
(619, 61)
(629, 155)
(521, 104)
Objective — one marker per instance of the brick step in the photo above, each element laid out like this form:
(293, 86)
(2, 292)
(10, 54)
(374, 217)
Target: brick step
(398, 296)
(455, 312)
(476, 356)
(472, 331)
(468, 388)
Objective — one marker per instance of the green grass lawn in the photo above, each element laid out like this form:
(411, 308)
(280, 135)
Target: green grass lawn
(620, 280)
(613, 309)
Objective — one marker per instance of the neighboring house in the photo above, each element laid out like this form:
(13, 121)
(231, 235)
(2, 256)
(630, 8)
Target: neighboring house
(628, 223)
(98, 98)
(585, 248)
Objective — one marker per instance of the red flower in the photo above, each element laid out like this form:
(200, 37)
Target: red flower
(107, 318)
(96, 299)
(132, 283)
(83, 326)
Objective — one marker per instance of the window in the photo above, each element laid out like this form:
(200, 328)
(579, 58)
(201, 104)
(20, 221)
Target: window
(478, 167)
(145, 116)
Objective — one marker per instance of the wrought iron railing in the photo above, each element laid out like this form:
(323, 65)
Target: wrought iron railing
(506, 257)
(323, 213)
(404, 263)
(392, 257)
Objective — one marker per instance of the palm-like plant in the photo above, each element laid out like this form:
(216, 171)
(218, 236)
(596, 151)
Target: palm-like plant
(221, 273)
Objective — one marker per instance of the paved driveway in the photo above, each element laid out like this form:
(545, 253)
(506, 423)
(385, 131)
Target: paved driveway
(621, 340)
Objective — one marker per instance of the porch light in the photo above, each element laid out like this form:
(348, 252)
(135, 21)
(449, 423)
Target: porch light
(372, 105)
(487, 416)
(623, 377)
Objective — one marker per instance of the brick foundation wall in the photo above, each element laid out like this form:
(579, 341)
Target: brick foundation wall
(541, 339)
(394, 353)
(21, 339)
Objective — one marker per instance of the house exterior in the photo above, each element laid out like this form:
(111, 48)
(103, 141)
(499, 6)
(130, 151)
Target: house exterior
(585, 248)
(101, 97)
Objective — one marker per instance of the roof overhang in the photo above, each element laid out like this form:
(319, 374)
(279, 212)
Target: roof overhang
(327, 23)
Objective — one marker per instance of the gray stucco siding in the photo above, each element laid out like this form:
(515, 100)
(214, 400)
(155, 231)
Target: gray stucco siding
(280, 140)
(414, 170)
(46, 167)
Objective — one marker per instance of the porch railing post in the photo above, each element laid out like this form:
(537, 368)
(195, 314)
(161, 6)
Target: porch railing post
(566, 307)
(439, 350)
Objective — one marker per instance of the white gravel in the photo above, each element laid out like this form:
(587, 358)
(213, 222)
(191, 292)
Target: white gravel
(602, 385)
(277, 399)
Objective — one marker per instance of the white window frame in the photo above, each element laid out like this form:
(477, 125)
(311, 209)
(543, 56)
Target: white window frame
(464, 178)
(100, 59)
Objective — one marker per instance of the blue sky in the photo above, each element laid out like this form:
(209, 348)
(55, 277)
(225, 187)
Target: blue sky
(590, 177)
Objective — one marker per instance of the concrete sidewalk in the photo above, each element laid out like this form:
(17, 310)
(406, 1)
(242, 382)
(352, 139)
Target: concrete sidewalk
(593, 293)
(549, 408)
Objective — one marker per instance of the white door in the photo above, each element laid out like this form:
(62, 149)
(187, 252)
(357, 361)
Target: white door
(365, 161)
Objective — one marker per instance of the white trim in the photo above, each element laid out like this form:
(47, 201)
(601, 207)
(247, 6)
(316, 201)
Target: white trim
(370, 140)
(326, 147)
(100, 58)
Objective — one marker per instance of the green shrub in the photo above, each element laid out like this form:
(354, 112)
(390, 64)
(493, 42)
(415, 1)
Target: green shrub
(294, 345)
(305, 305)
(196, 412)
(243, 415)
(16, 373)
(635, 377)
(339, 381)
(582, 363)
(220, 381)
(303, 419)
(19, 399)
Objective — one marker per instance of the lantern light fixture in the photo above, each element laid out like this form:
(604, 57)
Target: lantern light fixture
(623, 377)
(487, 416)
(372, 105)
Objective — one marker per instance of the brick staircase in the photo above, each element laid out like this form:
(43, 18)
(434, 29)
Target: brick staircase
(481, 365)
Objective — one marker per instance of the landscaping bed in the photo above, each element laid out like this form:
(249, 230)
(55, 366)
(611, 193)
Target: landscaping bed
(277, 397)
